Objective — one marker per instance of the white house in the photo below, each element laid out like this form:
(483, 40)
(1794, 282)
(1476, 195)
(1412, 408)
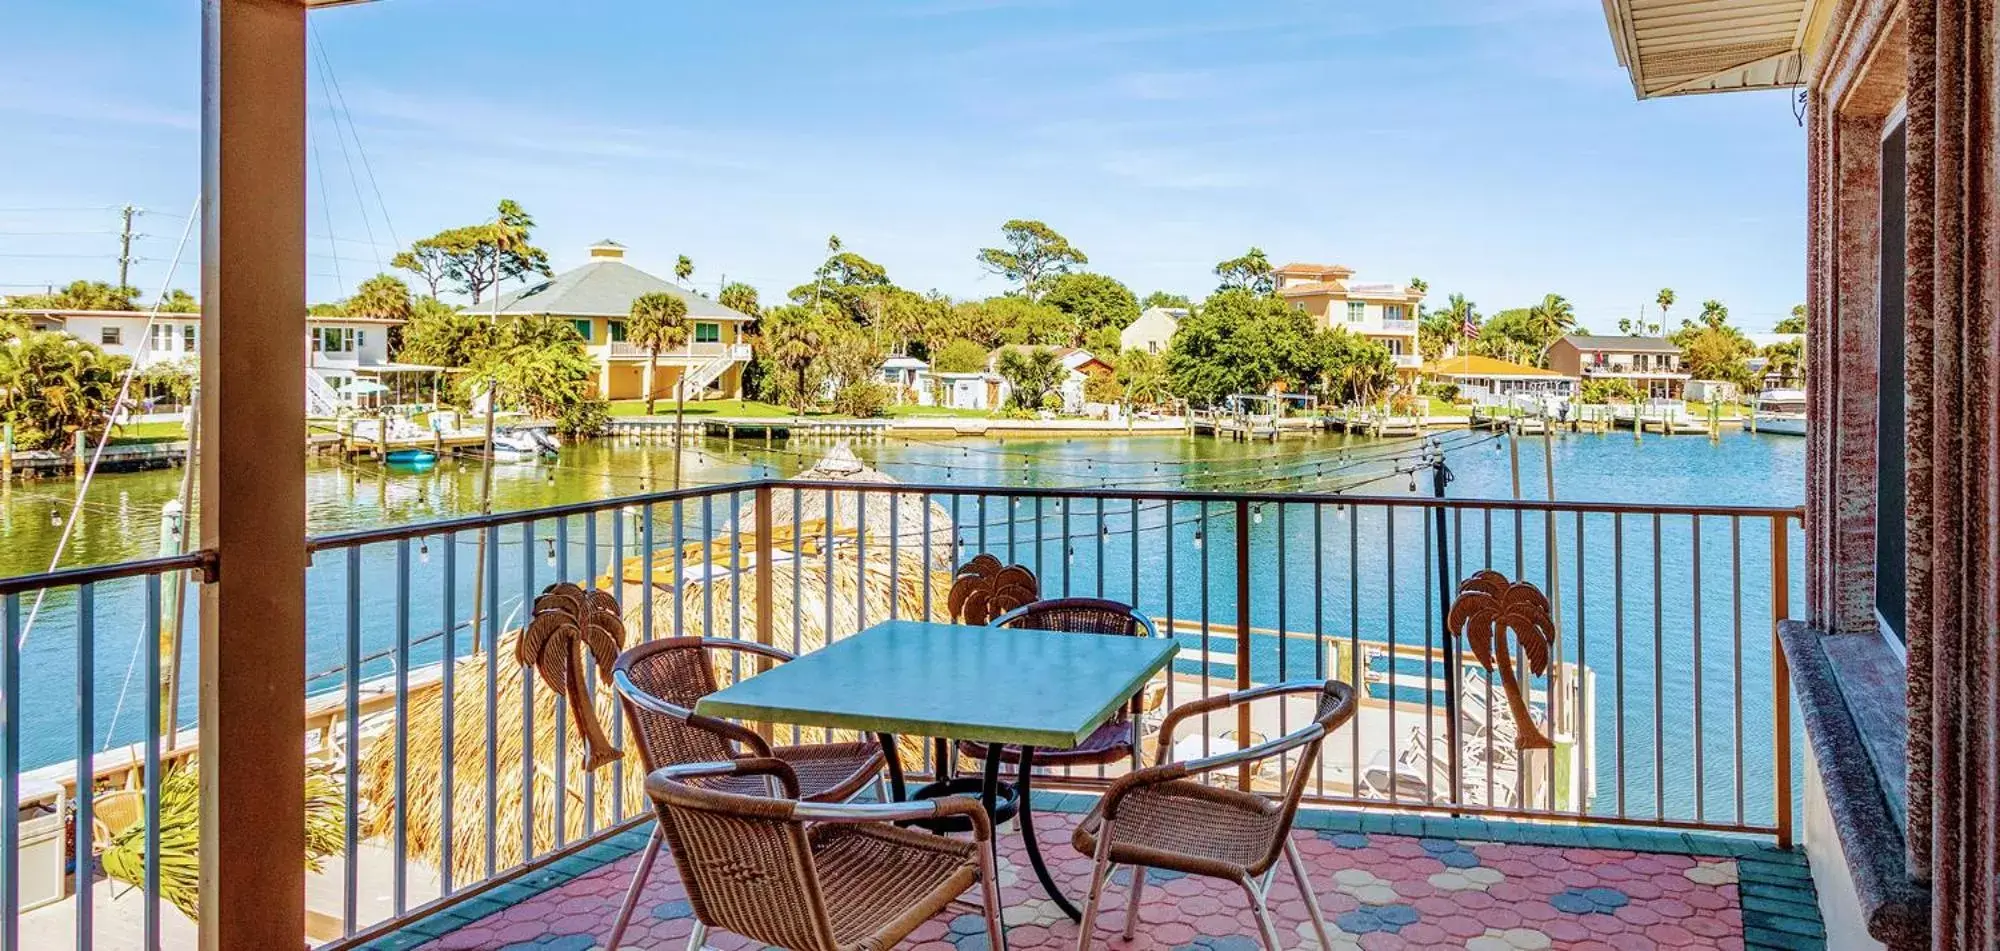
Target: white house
(1153, 331)
(908, 378)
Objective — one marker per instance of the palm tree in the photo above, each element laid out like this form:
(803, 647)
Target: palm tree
(1486, 609)
(1665, 298)
(658, 322)
(683, 269)
(1551, 319)
(792, 339)
(383, 297)
(1713, 314)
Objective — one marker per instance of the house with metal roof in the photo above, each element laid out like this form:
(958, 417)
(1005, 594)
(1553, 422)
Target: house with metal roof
(1478, 376)
(1651, 364)
(596, 298)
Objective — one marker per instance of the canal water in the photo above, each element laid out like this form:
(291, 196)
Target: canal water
(1683, 635)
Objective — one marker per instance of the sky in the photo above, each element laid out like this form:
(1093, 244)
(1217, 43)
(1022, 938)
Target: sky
(1494, 149)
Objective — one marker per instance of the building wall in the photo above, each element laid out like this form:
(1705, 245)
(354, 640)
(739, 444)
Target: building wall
(1153, 331)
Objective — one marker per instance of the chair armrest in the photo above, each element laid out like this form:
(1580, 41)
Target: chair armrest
(747, 647)
(730, 732)
(748, 766)
(982, 825)
(1224, 701)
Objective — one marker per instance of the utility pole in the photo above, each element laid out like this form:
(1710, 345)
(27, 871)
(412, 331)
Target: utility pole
(125, 246)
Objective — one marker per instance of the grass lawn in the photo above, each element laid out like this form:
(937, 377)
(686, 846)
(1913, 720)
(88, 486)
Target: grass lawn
(144, 433)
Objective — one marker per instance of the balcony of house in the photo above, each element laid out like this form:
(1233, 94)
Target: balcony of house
(1406, 328)
(1621, 773)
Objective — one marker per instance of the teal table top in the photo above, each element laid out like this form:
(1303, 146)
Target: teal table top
(992, 685)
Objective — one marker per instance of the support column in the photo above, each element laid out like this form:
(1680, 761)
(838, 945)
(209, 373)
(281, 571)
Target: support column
(253, 474)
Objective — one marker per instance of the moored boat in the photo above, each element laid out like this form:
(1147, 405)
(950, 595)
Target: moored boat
(1780, 411)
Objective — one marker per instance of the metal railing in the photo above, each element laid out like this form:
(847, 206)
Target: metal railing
(457, 770)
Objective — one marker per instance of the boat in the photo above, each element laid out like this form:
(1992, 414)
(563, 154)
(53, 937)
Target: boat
(418, 459)
(522, 445)
(1780, 411)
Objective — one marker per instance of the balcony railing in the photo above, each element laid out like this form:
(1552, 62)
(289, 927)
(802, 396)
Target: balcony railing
(1399, 326)
(456, 770)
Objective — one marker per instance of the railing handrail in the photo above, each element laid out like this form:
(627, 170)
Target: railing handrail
(94, 574)
(464, 523)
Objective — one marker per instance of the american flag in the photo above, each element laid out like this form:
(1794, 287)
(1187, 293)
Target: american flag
(1467, 328)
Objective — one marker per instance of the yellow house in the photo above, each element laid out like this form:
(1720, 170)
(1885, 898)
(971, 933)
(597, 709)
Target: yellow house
(596, 299)
(1383, 312)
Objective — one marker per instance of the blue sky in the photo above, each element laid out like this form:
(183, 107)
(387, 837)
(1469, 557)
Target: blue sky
(1493, 148)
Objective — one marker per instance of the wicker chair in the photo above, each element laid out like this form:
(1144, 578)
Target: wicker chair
(658, 685)
(1118, 738)
(1165, 817)
(848, 881)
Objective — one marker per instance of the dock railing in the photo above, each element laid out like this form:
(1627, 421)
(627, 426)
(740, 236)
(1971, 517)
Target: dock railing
(1664, 700)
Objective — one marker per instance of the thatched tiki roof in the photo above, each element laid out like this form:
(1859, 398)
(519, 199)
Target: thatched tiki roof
(906, 528)
(819, 596)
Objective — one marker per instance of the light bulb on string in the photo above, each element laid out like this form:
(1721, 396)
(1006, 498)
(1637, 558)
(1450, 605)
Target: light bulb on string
(551, 557)
(1197, 539)
(55, 517)
(1257, 514)
(424, 550)
(1072, 554)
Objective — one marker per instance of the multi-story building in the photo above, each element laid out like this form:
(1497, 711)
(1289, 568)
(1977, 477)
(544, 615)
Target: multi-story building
(596, 299)
(1651, 364)
(1383, 312)
(1153, 330)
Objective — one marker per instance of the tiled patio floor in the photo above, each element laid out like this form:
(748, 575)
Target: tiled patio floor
(1385, 882)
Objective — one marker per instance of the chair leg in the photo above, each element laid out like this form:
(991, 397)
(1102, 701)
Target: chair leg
(1099, 872)
(1306, 890)
(989, 888)
(696, 938)
(1265, 927)
(1132, 903)
(632, 892)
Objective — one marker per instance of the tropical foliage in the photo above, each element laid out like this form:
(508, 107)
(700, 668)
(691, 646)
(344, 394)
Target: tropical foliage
(52, 385)
(658, 322)
(792, 338)
(1165, 299)
(79, 295)
(1035, 374)
(1795, 324)
(1092, 302)
(1243, 342)
(1031, 254)
(473, 258)
(959, 356)
(1143, 376)
(1607, 390)
(1250, 272)
(124, 856)
(740, 297)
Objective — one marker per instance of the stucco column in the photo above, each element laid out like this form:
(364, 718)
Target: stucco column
(252, 469)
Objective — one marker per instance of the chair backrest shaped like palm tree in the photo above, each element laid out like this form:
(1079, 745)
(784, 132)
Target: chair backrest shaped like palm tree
(566, 620)
(1487, 609)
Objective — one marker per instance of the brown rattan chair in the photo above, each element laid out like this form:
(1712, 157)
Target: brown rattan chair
(659, 683)
(812, 876)
(1118, 738)
(1165, 817)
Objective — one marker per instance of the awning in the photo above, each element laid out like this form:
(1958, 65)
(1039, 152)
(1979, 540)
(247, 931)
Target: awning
(1682, 47)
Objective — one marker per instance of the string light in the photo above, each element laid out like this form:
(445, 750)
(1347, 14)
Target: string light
(55, 517)
(1197, 539)
(424, 550)
(1257, 514)
(551, 557)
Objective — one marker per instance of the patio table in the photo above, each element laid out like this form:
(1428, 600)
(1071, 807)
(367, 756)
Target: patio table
(997, 686)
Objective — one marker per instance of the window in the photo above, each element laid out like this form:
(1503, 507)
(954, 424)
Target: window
(187, 338)
(1891, 539)
(582, 329)
(163, 338)
(1355, 309)
(707, 333)
(360, 339)
(1392, 312)
(334, 339)
(616, 329)
(1153, 346)
(108, 336)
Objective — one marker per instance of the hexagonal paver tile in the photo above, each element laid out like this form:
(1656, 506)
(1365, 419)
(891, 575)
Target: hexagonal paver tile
(1712, 873)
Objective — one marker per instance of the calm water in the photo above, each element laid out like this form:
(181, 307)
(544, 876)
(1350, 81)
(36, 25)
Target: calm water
(1338, 570)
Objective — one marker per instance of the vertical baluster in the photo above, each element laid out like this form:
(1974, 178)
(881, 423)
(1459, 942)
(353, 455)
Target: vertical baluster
(1243, 636)
(736, 563)
(525, 611)
(924, 549)
(979, 508)
(1013, 519)
(1430, 659)
(708, 567)
(1173, 630)
(861, 560)
(10, 781)
(1201, 533)
(1319, 617)
(1736, 658)
(646, 582)
(616, 572)
(679, 535)
(149, 922)
(1284, 639)
(1389, 602)
(826, 573)
(86, 775)
(1103, 529)
(401, 834)
(1041, 576)
(447, 718)
(351, 845)
(895, 567)
(1700, 738)
(798, 576)
(492, 822)
(1659, 683)
(1133, 537)
(1618, 648)
(1354, 637)
(1066, 547)
(561, 778)
(1555, 676)
(1586, 740)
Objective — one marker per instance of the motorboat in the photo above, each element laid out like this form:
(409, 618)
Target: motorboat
(1780, 411)
(522, 445)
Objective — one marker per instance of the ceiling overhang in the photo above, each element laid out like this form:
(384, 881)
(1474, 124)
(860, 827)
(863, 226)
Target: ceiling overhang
(1685, 47)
